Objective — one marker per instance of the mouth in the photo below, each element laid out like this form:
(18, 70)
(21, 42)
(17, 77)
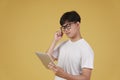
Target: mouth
(68, 33)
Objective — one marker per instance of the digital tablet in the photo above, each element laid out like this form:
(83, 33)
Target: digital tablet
(45, 59)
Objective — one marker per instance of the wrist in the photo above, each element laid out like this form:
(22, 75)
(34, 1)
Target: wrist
(55, 41)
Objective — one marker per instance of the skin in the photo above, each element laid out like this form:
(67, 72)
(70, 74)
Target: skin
(73, 34)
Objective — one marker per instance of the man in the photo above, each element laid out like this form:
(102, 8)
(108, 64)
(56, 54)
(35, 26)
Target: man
(75, 56)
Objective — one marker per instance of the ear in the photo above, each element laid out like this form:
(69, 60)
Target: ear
(78, 24)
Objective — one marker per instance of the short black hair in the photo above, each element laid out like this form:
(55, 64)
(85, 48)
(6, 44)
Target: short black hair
(71, 16)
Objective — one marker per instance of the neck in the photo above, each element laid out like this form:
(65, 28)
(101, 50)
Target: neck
(76, 38)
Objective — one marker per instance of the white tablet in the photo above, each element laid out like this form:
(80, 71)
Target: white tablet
(45, 59)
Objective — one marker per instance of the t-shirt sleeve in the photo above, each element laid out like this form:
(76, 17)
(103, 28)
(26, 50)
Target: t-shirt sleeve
(87, 59)
(57, 49)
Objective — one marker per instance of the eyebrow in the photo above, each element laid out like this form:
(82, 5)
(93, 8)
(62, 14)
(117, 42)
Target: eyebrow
(65, 25)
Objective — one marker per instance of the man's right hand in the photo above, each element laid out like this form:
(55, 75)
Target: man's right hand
(58, 35)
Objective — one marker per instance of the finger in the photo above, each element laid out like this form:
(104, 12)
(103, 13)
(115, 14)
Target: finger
(52, 67)
(58, 33)
(52, 64)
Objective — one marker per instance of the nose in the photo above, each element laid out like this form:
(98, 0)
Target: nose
(66, 31)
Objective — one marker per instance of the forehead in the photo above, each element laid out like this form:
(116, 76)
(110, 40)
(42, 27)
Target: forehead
(66, 23)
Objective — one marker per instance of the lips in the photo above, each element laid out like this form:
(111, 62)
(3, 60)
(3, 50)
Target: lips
(68, 33)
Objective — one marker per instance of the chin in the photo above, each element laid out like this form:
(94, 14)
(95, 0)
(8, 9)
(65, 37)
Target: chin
(69, 36)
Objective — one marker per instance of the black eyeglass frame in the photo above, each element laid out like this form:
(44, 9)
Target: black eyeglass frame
(67, 26)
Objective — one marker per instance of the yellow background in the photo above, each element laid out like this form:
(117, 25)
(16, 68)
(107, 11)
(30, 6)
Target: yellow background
(27, 26)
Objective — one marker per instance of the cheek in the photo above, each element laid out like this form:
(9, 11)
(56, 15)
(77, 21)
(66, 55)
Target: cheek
(73, 31)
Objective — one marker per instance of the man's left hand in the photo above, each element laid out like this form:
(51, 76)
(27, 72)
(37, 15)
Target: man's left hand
(57, 70)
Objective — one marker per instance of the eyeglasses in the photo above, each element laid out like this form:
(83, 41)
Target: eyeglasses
(67, 26)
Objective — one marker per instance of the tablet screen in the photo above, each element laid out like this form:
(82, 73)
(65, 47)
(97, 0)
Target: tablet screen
(45, 59)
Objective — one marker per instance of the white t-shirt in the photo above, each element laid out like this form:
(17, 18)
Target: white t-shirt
(73, 56)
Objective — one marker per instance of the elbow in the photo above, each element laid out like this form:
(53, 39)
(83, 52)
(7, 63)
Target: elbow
(85, 77)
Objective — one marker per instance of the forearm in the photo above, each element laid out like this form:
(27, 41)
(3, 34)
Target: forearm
(76, 77)
(51, 48)
(85, 75)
